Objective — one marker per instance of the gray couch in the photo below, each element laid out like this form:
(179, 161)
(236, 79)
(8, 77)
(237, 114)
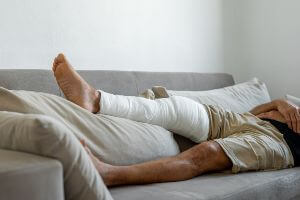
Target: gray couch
(31, 177)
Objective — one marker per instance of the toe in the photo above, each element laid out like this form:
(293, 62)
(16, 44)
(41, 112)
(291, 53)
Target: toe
(60, 58)
(55, 64)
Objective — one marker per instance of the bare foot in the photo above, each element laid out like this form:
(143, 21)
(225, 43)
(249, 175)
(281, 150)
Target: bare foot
(105, 170)
(74, 87)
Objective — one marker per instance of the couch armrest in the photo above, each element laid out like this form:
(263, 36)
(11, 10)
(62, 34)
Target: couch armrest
(27, 176)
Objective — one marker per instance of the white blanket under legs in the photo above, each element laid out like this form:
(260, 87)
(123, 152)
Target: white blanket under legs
(177, 114)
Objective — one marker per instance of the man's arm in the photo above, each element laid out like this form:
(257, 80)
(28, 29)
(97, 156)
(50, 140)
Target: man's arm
(274, 114)
(287, 109)
(273, 105)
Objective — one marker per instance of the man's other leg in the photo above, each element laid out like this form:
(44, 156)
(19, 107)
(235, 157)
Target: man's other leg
(203, 158)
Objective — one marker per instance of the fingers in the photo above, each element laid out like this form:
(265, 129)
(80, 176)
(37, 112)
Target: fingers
(261, 115)
(291, 114)
(288, 119)
(297, 116)
(266, 115)
(294, 121)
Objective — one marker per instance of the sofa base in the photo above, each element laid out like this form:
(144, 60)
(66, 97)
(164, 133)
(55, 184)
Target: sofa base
(27, 176)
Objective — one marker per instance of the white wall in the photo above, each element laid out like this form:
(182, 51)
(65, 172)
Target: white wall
(147, 35)
(244, 37)
(262, 39)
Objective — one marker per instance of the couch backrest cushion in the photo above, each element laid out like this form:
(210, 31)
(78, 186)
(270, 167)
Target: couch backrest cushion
(117, 82)
(33, 80)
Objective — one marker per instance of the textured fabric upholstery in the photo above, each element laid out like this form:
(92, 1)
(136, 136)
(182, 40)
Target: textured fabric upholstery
(117, 82)
(273, 185)
(182, 80)
(34, 80)
(27, 176)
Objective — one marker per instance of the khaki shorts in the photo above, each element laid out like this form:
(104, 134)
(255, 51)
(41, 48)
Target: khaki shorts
(250, 143)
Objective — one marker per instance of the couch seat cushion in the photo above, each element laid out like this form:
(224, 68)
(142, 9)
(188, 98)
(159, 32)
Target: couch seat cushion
(275, 185)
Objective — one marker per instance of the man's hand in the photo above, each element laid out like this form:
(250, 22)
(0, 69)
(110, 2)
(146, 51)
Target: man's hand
(291, 114)
(274, 115)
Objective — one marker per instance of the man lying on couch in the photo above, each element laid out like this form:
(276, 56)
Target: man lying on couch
(266, 138)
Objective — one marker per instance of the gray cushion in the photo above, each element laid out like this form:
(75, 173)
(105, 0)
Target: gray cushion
(182, 80)
(117, 82)
(34, 80)
(27, 176)
(282, 184)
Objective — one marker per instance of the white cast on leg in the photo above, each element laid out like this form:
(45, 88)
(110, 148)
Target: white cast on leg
(177, 114)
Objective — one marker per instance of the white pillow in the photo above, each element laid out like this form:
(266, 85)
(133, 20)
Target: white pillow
(115, 140)
(238, 98)
(45, 136)
(293, 99)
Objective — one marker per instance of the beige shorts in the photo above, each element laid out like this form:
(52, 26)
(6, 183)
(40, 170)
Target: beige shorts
(250, 143)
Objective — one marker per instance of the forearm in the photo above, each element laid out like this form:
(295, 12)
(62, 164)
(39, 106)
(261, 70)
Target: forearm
(280, 110)
(273, 105)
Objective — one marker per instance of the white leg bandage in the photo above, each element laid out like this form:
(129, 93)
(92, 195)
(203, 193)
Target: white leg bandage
(177, 114)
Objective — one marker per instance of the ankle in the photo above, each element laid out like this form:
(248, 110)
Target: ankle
(96, 101)
(112, 176)
(118, 175)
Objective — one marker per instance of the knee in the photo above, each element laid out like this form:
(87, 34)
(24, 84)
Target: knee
(209, 156)
(204, 152)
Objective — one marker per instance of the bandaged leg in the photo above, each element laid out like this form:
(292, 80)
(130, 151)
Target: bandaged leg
(177, 114)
